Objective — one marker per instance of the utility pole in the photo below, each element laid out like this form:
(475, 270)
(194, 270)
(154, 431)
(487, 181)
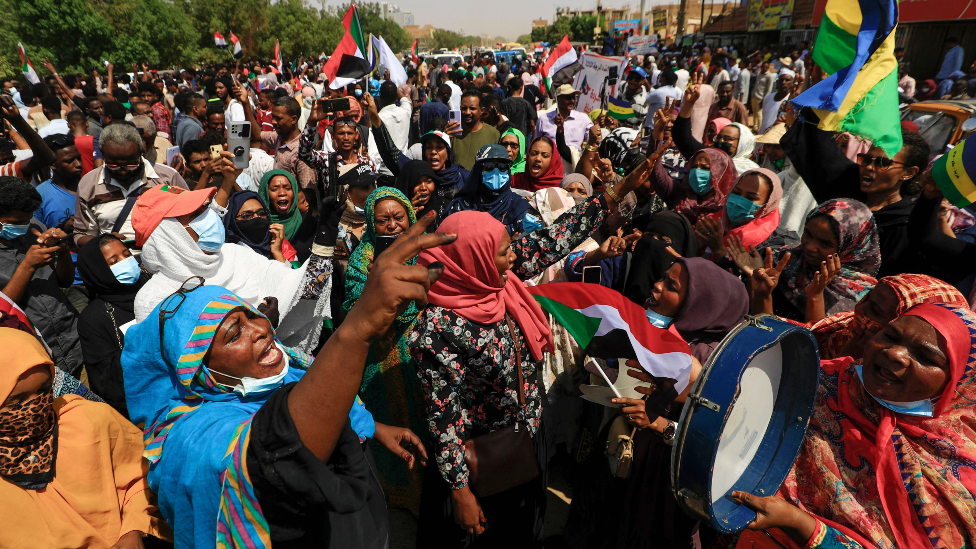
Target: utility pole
(701, 22)
(640, 21)
(681, 20)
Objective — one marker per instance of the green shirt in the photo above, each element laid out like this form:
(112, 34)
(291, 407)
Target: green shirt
(466, 146)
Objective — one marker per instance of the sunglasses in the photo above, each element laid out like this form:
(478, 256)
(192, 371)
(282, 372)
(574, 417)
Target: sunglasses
(247, 216)
(492, 165)
(510, 145)
(349, 123)
(881, 163)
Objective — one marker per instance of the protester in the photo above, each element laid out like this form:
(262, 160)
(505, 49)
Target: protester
(191, 126)
(543, 167)
(248, 223)
(773, 100)
(474, 132)
(575, 124)
(514, 142)
(953, 59)
(750, 216)
(711, 176)
(419, 182)
(59, 194)
(765, 82)
(577, 185)
(727, 106)
(347, 146)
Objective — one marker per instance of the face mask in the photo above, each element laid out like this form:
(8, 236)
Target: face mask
(254, 229)
(723, 146)
(11, 232)
(531, 223)
(495, 179)
(130, 177)
(210, 231)
(127, 271)
(250, 386)
(923, 408)
(359, 93)
(700, 180)
(779, 164)
(740, 209)
(27, 445)
(657, 320)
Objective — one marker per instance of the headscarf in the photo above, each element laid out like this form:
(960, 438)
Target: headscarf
(577, 178)
(859, 252)
(676, 227)
(519, 165)
(765, 221)
(409, 177)
(747, 144)
(292, 219)
(453, 176)
(647, 266)
(28, 430)
(199, 469)
(926, 96)
(723, 179)
(836, 330)
(468, 285)
(716, 301)
(551, 203)
(504, 205)
(234, 234)
(551, 177)
(903, 481)
(719, 123)
(99, 279)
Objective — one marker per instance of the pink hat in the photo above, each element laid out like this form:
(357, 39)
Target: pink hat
(165, 201)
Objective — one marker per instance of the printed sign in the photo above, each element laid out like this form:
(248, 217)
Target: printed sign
(642, 45)
(596, 68)
(625, 24)
(770, 14)
(660, 20)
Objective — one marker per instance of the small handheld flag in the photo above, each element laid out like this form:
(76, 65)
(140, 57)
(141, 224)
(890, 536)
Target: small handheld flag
(238, 52)
(277, 57)
(954, 173)
(561, 57)
(413, 54)
(26, 66)
(219, 40)
(619, 109)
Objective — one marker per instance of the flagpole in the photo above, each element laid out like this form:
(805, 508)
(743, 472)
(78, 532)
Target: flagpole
(607, 379)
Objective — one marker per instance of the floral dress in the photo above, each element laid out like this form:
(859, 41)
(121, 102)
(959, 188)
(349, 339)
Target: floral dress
(467, 370)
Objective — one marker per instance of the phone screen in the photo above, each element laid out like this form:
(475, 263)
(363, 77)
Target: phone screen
(382, 243)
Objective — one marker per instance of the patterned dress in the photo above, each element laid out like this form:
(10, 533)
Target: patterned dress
(467, 369)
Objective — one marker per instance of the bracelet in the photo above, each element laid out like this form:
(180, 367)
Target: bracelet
(613, 196)
(592, 148)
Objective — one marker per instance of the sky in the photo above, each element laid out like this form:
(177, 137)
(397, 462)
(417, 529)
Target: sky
(508, 18)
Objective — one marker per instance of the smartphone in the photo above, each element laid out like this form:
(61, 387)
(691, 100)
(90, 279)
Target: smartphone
(592, 275)
(454, 116)
(215, 151)
(239, 143)
(171, 153)
(335, 105)
(382, 243)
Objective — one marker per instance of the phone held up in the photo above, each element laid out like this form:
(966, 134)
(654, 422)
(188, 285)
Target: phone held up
(382, 243)
(454, 116)
(592, 275)
(239, 143)
(335, 105)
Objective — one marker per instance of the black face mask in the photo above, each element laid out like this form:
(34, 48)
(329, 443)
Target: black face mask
(254, 230)
(723, 146)
(130, 177)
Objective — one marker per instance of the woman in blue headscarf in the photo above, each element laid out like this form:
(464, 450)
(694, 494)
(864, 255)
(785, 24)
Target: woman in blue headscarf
(241, 454)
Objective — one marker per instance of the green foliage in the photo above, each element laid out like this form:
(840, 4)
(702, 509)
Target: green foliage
(447, 39)
(579, 28)
(524, 39)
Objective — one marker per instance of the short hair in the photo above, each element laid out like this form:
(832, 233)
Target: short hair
(726, 83)
(472, 93)
(89, 101)
(149, 87)
(120, 95)
(411, 73)
(169, 82)
(59, 141)
(194, 146)
(668, 77)
(445, 90)
(122, 135)
(27, 96)
(293, 107)
(51, 103)
(952, 39)
(916, 151)
(115, 110)
(76, 117)
(491, 100)
(213, 138)
(193, 100)
(214, 108)
(388, 92)
(515, 84)
(17, 195)
(144, 123)
(269, 94)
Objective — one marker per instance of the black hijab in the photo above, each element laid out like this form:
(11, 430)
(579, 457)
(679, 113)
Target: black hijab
(100, 280)
(409, 177)
(651, 259)
(676, 227)
(237, 234)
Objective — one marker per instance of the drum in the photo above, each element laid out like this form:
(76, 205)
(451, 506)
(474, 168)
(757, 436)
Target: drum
(744, 421)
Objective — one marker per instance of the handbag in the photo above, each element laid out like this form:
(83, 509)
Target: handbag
(621, 454)
(505, 458)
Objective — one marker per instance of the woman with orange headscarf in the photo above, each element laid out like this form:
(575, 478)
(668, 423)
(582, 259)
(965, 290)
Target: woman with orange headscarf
(72, 469)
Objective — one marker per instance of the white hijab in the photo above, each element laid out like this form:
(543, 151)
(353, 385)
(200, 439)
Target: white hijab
(172, 256)
(747, 144)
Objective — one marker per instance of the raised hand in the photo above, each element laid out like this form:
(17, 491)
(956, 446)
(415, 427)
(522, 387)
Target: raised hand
(747, 260)
(710, 234)
(693, 91)
(823, 278)
(764, 280)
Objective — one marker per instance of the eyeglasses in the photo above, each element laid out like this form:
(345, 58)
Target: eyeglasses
(492, 165)
(121, 166)
(725, 139)
(881, 163)
(246, 216)
(510, 145)
(167, 309)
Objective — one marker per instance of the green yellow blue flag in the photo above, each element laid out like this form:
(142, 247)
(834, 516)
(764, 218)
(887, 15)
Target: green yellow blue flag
(856, 48)
(619, 108)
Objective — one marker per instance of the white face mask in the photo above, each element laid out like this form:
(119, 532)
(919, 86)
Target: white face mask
(251, 386)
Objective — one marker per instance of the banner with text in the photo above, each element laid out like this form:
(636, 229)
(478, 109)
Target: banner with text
(661, 21)
(596, 68)
(770, 14)
(642, 45)
(625, 24)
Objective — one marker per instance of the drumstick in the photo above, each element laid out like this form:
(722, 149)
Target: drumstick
(607, 379)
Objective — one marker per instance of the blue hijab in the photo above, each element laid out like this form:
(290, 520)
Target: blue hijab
(503, 204)
(196, 431)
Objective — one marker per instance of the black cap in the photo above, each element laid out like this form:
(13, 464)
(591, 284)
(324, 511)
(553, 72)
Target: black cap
(360, 176)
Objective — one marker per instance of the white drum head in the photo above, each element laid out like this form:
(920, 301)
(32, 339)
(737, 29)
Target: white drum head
(748, 420)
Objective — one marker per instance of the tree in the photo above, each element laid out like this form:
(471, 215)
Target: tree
(447, 39)
(524, 39)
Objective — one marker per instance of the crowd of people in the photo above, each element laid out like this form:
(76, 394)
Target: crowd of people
(201, 355)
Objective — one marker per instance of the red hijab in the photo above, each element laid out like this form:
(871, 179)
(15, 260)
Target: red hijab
(888, 478)
(756, 231)
(468, 284)
(551, 177)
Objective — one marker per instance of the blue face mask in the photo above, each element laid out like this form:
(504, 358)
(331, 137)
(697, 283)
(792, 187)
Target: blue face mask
(251, 386)
(740, 209)
(210, 231)
(923, 408)
(127, 271)
(700, 180)
(11, 232)
(657, 320)
(495, 179)
(359, 93)
(531, 223)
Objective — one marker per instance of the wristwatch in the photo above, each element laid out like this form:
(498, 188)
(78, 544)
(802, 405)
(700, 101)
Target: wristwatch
(669, 432)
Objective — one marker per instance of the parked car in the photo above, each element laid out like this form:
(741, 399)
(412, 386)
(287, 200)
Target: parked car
(942, 123)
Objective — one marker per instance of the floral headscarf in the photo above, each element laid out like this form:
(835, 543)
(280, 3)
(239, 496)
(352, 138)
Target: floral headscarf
(860, 258)
(723, 179)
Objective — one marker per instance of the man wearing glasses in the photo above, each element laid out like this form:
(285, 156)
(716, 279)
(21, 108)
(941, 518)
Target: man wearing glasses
(107, 194)
(875, 179)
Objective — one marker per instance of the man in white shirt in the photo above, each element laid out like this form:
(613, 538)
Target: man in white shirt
(395, 113)
(455, 101)
(657, 97)
(735, 71)
(51, 108)
(772, 102)
(742, 82)
(683, 76)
